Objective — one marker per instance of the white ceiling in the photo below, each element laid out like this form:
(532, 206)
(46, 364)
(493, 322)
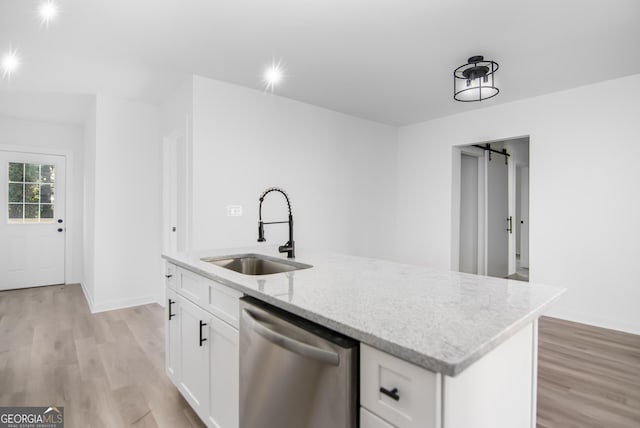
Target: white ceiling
(386, 60)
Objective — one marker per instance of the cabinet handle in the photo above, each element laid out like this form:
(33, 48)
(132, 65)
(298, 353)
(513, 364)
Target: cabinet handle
(393, 393)
(202, 339)
(168, 276)
(171, 302)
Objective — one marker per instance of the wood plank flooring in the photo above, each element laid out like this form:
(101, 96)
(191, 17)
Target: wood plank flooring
(107, 369)
(588, 377)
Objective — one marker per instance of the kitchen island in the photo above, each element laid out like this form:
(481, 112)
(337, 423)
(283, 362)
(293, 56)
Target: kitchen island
(472, 339)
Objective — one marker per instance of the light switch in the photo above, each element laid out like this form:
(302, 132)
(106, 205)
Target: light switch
(234, 210)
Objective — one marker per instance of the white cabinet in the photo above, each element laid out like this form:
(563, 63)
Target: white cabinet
(172, 342)
(402, 393)
(223, 374)
(369, 420)
(194, 355)
(497, 391)
(202, 345)
(171, 276)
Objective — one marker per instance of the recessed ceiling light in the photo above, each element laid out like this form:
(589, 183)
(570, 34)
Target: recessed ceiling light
(10, 63)
(48, 11)
(273, 75)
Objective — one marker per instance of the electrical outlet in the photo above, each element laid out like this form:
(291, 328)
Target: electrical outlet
(234, 210)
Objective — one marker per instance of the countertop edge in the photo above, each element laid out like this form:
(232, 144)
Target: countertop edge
(412, 356)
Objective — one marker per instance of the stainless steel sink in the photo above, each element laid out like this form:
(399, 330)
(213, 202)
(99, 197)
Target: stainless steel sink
(255, 264)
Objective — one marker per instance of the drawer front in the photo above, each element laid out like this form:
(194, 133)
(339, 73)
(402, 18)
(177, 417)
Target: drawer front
(369, 420)
(224, 302)
(170, 275)
(193, 287)
(413, 393)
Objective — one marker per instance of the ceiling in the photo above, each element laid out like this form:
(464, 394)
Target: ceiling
(388, 61)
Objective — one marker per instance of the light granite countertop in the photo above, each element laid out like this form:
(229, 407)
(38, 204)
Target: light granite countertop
(441, 320)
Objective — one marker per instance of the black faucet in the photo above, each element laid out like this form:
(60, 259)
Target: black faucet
(290, 246)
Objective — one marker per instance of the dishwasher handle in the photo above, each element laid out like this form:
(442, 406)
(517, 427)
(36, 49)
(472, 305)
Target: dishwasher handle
(295, 346)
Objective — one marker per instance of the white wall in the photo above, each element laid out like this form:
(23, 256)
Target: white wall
(127, 215)
(89, 201)
(583, 193)
(58, 139)
(338, 170)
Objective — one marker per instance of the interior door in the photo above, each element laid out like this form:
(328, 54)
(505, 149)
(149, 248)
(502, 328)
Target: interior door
(32, 220)
(497, 216)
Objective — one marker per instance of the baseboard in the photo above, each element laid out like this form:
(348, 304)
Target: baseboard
(124, 303)
(87, 296)
(624, 326)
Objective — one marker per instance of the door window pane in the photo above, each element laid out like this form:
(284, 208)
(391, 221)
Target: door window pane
(31, 173)
(16, 172)
(31, 193)
(31, 212)
(16, 192)
(46, 194)
(46, 211)
(16, 211)
(48, 174)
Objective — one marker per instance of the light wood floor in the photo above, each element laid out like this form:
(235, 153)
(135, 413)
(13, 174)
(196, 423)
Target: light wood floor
(107, 369)
(587, 376)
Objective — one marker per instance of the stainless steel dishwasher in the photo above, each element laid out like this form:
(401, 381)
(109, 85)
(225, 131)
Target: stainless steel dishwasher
(294, 373)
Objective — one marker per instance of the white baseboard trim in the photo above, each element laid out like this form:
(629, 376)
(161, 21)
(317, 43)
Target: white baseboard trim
(87, 296)
(124, 303)
(624, 326)
(119, 304)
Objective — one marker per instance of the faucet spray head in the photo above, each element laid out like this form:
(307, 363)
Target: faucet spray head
(261, 232)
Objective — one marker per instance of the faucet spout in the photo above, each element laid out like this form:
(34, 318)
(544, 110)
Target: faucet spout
(289, 247)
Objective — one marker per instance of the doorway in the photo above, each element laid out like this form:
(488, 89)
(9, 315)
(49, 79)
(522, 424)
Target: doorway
(32, 219)
(491, 209)
(175, 199)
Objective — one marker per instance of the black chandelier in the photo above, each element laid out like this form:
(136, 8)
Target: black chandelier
(474, 81)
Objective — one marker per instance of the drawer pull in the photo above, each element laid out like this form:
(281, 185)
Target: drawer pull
(202, 339)
(393, 393)
(171, 302)
(168, 276)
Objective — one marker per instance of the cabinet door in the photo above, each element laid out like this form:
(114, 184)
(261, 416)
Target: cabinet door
(224, 374)
(171, 276)
(369, 420)
(194, 356)
(172, 342)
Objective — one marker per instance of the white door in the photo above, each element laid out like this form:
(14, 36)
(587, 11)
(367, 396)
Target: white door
(32, 220)
(170, 196)
(497, 216)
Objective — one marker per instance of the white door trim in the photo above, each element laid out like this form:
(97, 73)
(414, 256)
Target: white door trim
(69, 214)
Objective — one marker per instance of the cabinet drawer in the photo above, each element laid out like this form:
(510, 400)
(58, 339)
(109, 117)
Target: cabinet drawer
(170, 275)
(224, 302)
(416, 390)
(369, 420)
(194, 287)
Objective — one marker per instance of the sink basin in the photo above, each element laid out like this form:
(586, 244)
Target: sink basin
(255, 264)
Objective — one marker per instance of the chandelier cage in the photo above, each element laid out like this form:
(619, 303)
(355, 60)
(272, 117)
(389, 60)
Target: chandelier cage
(474, 81)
